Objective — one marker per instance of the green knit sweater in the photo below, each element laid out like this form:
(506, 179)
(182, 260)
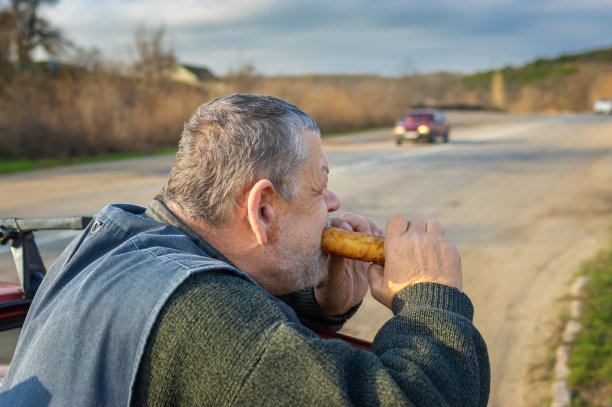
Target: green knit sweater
(221, 340)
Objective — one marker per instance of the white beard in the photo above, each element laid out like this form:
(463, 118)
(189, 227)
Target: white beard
(301, 266)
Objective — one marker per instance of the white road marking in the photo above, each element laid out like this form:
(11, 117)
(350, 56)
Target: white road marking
(388, 159)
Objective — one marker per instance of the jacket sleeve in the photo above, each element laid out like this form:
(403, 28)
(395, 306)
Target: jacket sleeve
(311, 315)
(428, 354)
(220, 345)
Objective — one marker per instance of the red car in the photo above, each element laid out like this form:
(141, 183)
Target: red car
(428, 125)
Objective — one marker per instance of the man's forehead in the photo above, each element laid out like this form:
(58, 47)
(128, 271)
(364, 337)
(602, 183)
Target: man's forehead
(317, 167)
(317, 155)
(319, 163)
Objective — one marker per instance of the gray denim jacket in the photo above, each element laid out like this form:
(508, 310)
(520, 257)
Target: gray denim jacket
(84, 335)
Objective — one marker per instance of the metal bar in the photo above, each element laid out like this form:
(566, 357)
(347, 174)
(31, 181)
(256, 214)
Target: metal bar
(29, 224)
(28, 262)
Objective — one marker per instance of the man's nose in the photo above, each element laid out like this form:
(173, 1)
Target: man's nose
(332, 201)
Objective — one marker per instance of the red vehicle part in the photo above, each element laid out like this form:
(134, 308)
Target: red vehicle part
(13, 306)
(15, 299)
(422, 124)
(351, 340)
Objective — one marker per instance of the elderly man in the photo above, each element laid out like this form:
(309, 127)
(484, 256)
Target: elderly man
(207, 296)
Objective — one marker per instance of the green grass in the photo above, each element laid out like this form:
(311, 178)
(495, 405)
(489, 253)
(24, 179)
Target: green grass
(530, 73)
(542, 68)
(12, 166)
(591, 358)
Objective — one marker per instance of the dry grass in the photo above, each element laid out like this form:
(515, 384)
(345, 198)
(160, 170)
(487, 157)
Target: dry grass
(80, 116)
(69, 114)
(73, 115)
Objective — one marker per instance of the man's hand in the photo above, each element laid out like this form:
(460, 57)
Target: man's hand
(415, 252)
(347, 281)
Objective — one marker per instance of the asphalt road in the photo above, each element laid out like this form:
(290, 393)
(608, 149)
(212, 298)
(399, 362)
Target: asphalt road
(525, 198)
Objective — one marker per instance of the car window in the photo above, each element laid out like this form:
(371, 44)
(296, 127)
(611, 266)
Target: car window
(420, 117)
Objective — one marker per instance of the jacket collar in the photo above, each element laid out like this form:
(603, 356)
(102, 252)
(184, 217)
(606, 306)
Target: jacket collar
(158, 211)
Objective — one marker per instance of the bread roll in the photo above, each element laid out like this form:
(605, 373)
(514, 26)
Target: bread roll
(354, 245)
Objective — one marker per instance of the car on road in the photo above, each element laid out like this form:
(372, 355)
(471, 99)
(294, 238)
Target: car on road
(430, 125)
(602, 106)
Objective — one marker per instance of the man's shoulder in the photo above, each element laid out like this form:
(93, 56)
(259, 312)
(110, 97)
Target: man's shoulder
(220, 287)
(127, 220)
(217, 301)
(224, 297)
(125, 225)
(214, 323)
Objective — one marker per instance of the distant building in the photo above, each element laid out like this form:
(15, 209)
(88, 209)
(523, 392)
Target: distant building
(191, 74)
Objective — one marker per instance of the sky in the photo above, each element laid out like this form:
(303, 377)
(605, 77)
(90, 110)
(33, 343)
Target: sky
(381, 37)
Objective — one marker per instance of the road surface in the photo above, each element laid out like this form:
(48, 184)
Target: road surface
(525, 198)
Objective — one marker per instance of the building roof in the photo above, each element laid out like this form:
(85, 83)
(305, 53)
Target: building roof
(202, 73)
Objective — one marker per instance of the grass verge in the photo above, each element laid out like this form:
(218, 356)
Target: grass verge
(12, 166)
(590, 361)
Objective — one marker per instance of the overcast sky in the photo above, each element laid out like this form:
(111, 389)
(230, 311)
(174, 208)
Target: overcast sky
(385, 37)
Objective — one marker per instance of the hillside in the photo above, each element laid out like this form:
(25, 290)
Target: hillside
(569, 82)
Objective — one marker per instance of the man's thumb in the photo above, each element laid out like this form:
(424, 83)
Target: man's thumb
(376, 276)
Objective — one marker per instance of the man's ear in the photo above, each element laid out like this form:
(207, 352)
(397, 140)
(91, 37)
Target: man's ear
(260, 210)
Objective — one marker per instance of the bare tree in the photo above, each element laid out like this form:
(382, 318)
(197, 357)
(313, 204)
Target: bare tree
(89, 59)
(30, 31)
(244, 76)
(6, 22)
(153, 58)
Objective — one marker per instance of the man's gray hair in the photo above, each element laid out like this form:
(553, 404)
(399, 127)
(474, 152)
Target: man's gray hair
(229, 144)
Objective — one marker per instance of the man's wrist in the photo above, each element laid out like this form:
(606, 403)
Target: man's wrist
(433, 295)
(310, 312)
(327, 306)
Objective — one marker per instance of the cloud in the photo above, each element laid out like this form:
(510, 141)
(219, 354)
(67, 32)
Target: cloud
(172, 13)
(345, 36)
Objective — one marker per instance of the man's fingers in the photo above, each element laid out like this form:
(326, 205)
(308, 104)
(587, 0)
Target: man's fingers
(397, 224)
(339, 223)
(416, 225)
(335, 266)
(435, 228)
(357, 222)
(376, 279)
(376, 230)
(350, 221)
